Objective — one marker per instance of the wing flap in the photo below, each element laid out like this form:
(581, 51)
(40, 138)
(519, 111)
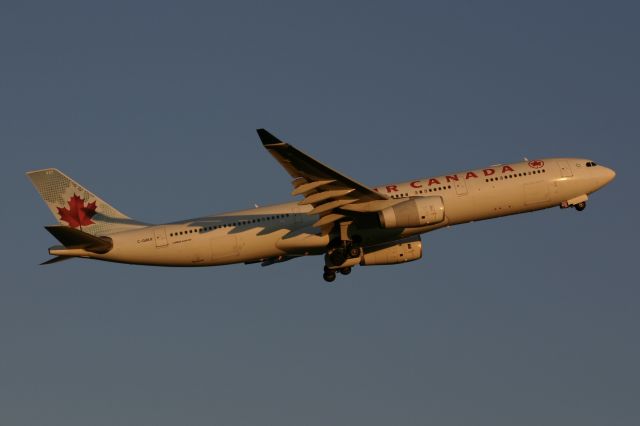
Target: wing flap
(327, 219)
(325, 195)
(331, 205)
(308, 187)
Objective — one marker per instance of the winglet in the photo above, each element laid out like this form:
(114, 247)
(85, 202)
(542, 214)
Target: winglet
(267, 138)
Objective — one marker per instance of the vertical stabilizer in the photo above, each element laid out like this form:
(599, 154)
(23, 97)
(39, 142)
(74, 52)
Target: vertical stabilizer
(75, 206)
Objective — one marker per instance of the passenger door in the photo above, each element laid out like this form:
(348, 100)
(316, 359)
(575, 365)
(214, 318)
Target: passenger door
(565, 169)
(160, 236)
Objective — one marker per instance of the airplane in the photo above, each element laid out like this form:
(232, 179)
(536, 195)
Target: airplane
(344, 220)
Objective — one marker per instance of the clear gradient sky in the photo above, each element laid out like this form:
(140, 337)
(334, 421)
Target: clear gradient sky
(526, 320)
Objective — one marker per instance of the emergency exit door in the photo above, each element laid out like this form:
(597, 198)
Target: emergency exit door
(461, 187)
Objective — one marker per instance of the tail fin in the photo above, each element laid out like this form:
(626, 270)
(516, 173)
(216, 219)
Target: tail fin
(76, 207)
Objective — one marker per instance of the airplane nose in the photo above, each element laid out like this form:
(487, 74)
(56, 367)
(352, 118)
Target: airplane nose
(609, 174)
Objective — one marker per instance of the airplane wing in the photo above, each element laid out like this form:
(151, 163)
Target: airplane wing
(331, 193)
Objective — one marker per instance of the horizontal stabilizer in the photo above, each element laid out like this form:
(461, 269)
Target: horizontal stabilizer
(272, 260)
(56, 260)
(75, 239)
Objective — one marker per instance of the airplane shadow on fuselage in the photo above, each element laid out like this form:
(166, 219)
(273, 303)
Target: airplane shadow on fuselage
(116, 220)
(295, 224)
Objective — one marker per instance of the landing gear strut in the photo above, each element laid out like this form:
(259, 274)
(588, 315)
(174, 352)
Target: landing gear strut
(338, 256)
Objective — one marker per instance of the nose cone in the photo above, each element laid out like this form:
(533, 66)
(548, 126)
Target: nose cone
(609, 174)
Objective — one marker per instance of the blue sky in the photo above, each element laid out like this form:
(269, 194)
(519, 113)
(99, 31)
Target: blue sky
(525, 320)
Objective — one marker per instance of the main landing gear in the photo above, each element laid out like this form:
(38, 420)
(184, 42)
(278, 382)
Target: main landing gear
(343, 254)
(330, 274)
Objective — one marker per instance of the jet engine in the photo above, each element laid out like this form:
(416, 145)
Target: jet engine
(392, 253)
(413, 213)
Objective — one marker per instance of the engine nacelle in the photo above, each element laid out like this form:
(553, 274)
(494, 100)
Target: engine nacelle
(413, 213)
(393, 253)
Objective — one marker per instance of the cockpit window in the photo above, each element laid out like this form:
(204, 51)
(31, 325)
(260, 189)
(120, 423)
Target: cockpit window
(591, 164)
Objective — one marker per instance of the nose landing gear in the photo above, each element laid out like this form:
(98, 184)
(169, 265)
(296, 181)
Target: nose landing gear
(579, 203)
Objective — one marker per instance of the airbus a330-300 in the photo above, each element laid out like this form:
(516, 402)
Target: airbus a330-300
(344, 220)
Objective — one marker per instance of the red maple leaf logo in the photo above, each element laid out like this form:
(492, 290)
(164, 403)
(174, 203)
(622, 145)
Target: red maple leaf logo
(77, 214)
(536, 164)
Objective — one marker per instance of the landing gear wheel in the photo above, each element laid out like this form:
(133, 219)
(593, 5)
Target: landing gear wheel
(329, 276)
(580, 206)
(346, 270)
(354, 252)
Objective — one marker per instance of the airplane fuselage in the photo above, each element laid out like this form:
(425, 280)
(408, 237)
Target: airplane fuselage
(283, 230)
